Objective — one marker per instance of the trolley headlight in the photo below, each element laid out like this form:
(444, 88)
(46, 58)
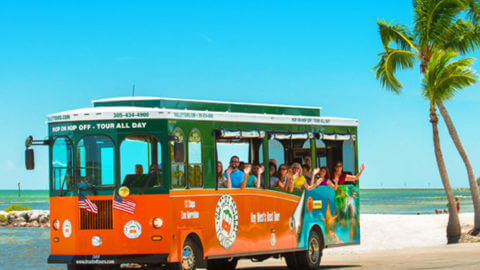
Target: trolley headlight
(56, 224)
(96, 241)
(124, 191)
(157, 223)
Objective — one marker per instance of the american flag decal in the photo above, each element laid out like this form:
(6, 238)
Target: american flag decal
(84, 203)
(123, 204)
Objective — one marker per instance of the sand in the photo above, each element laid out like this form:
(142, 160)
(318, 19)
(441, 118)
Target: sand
(384, 232)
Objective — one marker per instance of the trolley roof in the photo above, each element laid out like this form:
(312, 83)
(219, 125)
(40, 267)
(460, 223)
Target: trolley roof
(207, 105)
(120, 109)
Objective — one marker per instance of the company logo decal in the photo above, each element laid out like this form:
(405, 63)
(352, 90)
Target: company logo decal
(67, 228)
(132, 229)
(226, 221)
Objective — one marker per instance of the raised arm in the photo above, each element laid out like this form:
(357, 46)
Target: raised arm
(353, 178)
(246, 171)
(228, 182)
(258, 180)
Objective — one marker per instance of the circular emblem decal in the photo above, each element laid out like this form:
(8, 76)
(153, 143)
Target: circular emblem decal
(132, 229)
(226, 221)
(67, 228)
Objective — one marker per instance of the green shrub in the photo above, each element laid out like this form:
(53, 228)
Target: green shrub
(3, 218)
(17, 207)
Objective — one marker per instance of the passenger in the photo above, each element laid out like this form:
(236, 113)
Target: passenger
(138, 169)
(153, 169)
(339, 178)
(307, 159)
(305, 172)
(241, 166)
(255, 175)
(285, 181)
(153, 180)
(272, 172)
(297, 176)
(222, 181)
(234, 176)
(272, 160)
(322, 178)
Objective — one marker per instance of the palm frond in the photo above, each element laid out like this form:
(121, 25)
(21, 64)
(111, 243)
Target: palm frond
(473, 12)
(432, 17)
(445, 77)
(396, 33)
(462, 36)
(390, 62)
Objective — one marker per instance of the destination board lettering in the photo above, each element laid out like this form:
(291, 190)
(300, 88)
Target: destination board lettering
(310, 120)
(99, 126)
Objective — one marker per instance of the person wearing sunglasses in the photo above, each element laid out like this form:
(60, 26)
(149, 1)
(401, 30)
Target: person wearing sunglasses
(299, 181)
(340, 178)
(285, 180)
(234, 176)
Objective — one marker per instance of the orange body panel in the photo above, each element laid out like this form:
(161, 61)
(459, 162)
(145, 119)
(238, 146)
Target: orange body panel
(114, 241)
(263, 224)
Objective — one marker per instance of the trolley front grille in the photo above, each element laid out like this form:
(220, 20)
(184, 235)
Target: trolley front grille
(101, 221)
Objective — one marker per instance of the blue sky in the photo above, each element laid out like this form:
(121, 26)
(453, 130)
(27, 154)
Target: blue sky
(57, 56)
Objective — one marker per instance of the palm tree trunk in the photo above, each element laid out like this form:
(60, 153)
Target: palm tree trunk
(453, 227)
(471, 176)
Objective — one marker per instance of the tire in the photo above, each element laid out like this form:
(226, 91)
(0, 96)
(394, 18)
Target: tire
(310, 258)
(222, 264)
(192, 256)
(291, 260)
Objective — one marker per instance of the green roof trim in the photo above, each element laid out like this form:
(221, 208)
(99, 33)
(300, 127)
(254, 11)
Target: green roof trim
(208, 106)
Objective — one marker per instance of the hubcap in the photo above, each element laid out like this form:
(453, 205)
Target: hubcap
(188, 258)
(314, 250)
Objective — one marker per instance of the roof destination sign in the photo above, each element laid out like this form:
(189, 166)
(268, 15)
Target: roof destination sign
(98, 126)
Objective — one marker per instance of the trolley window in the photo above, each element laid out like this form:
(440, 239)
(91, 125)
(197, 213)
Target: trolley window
(95, 161)
(195, 172)
(62, 155)
(141, 162)
(177, 158)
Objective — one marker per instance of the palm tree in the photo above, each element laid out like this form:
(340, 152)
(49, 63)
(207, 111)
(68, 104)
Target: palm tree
(443, 78)
(438, 26)
(468, 165)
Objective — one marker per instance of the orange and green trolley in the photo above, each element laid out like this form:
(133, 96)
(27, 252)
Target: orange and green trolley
(134, 181)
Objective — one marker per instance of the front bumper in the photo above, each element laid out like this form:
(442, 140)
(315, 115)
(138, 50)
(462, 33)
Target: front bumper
(109, 259)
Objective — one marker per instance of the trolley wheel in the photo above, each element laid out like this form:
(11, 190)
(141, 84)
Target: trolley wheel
(222, 264)
(192, 256)
(310, 258)
(291, 260)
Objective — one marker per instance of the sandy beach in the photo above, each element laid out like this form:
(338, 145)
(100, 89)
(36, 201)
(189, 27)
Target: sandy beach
(386, 237)
(384, 232)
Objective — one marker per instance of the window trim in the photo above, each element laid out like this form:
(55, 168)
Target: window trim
(120, 160)
(72, 163)
(109, 186)
(173, 160)
(201, 159)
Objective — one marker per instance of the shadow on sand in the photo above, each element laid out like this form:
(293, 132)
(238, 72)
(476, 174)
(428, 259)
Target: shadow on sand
(285, 268)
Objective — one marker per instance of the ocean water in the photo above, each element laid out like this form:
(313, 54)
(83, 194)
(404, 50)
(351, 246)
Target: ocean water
(28, 248)
(372, 201)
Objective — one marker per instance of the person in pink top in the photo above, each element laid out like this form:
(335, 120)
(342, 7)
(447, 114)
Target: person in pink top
(339, 178)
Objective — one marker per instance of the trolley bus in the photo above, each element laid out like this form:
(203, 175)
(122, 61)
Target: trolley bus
(134, 180)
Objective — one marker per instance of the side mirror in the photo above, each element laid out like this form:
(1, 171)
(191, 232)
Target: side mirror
(29, 141)
(29, 159)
